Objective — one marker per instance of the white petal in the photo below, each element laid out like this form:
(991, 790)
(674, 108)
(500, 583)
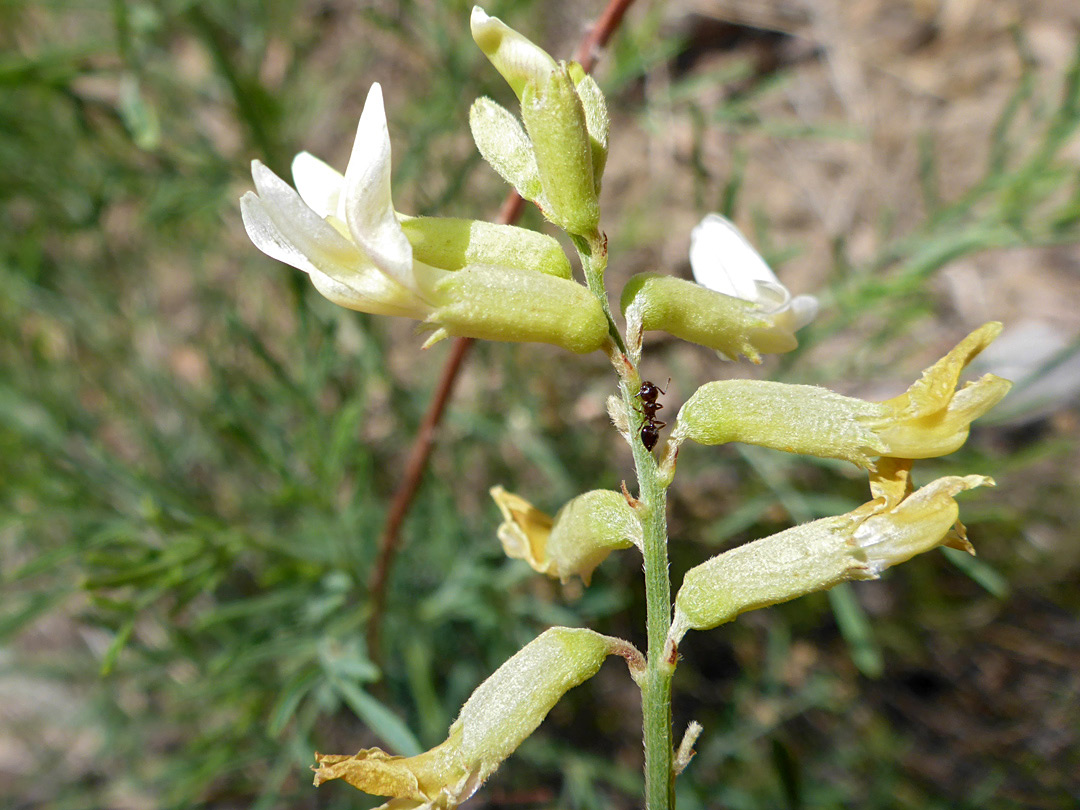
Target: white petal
(772, 297)
(723, 260)
(369, 210)
(284, 228)
(478, 17)
(319, 184)
(300, 226)
(371, 291)
(805, 309)
(268, 237)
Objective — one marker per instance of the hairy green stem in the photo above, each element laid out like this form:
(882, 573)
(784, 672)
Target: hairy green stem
(656, 684)
(652, 512)
(593, 254)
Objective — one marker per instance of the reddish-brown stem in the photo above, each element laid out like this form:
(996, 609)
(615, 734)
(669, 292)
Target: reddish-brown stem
(587, 54)
(589, 49)
(418, 457)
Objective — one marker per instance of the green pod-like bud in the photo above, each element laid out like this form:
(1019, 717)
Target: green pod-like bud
(555, 121)
(580, 536)
(522, 306)
(508, 706)
(451, 244)
(515, 56)
(812, 557)
(729, 325)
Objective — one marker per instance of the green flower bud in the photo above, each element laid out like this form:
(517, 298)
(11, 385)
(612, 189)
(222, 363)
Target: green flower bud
(580, 537)
(729, 325)
(524, 306)
(502, 712)
(555, 120)
(517, 58)
(565, 116)
(451, 244)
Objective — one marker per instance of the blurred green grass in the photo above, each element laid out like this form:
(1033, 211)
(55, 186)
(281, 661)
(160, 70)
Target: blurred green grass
(196, 450)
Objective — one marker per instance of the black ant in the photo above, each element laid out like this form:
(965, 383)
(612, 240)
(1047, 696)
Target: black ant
(650, 429)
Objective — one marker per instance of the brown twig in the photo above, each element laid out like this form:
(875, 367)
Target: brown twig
(587, 54)
(597, 37)
(418, 457)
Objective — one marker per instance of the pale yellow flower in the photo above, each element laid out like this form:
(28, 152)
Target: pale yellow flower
(932, 418)
(500, 714)
(342, 229)
(580, 536)
(892, 528)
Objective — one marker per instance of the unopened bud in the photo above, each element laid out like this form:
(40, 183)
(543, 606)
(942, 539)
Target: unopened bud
(555, 120)
(517, 58)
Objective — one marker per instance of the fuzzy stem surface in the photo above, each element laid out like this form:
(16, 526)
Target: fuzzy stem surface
(656, 684)
(651, 509)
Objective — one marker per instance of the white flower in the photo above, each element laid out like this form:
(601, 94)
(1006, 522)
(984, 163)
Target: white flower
(342, 230)
(723, 260)
(463, 278)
